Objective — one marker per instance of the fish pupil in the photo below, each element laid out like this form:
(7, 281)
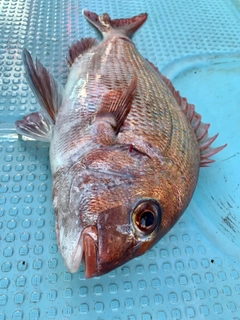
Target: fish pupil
(147, 219)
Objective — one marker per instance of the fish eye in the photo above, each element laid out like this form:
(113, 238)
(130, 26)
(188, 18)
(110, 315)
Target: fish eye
(147, 217)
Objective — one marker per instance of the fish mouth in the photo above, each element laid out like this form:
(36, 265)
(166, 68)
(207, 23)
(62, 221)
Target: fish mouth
(90, 236)
(85, 251)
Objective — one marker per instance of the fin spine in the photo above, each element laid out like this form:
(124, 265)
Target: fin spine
(200, 128)
(79, 48)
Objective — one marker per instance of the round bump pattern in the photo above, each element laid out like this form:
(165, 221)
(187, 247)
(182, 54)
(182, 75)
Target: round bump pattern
(183, 276)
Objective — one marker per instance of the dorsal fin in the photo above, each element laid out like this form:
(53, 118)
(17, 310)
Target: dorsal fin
(117, 103)
(46, 89)
(105, 25)
(200, 128)
(79, 48)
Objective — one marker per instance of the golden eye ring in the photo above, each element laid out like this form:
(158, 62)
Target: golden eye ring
(146, 217)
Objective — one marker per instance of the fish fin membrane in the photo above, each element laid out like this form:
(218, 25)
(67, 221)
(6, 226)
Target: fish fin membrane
(79, 48)
(118, 103)
(46, 89)
(106, 25)
(200, 128)
(35, 126)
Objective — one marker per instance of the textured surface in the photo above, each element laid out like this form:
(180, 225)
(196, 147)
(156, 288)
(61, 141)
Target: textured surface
(185, 275)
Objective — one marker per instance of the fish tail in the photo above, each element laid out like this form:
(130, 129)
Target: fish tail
(106, 25)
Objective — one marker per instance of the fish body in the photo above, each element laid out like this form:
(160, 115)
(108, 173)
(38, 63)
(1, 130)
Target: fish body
(125, 148)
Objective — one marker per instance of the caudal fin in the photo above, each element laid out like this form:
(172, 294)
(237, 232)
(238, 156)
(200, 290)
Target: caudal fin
(106, 25)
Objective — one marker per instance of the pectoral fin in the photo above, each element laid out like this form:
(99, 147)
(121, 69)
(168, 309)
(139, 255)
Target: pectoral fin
(35, 126)
(117, 104)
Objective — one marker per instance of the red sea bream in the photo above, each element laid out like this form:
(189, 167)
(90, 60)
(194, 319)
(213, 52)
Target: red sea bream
(125, 148)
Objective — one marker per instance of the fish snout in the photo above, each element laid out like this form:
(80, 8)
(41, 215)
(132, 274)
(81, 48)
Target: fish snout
(103, 250)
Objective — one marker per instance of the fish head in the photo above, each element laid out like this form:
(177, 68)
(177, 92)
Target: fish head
(113, 206)
(121, 234)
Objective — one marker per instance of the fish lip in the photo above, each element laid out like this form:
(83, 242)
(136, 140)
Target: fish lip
(90, 236)
(72, 258)
(74, 262)
(77, 257)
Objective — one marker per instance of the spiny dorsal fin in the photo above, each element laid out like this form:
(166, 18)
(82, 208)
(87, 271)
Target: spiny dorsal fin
(35, 126)
(117, 103)
(46, 89)
(200, 128)
(105, 25)
(79, 48)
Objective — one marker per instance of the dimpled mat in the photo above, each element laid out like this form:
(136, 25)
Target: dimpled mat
(194, 271)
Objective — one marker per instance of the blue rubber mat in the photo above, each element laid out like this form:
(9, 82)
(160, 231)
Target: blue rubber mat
(194, 271)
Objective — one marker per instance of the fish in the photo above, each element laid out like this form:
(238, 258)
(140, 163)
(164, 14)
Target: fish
(125, 147)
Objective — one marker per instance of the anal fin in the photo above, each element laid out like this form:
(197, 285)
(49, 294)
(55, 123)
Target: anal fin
(79, 48)
(46, 89)
(35, 126)
(200, 128)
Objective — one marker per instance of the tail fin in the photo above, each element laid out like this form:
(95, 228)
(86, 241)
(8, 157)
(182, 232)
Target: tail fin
(105, 25)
